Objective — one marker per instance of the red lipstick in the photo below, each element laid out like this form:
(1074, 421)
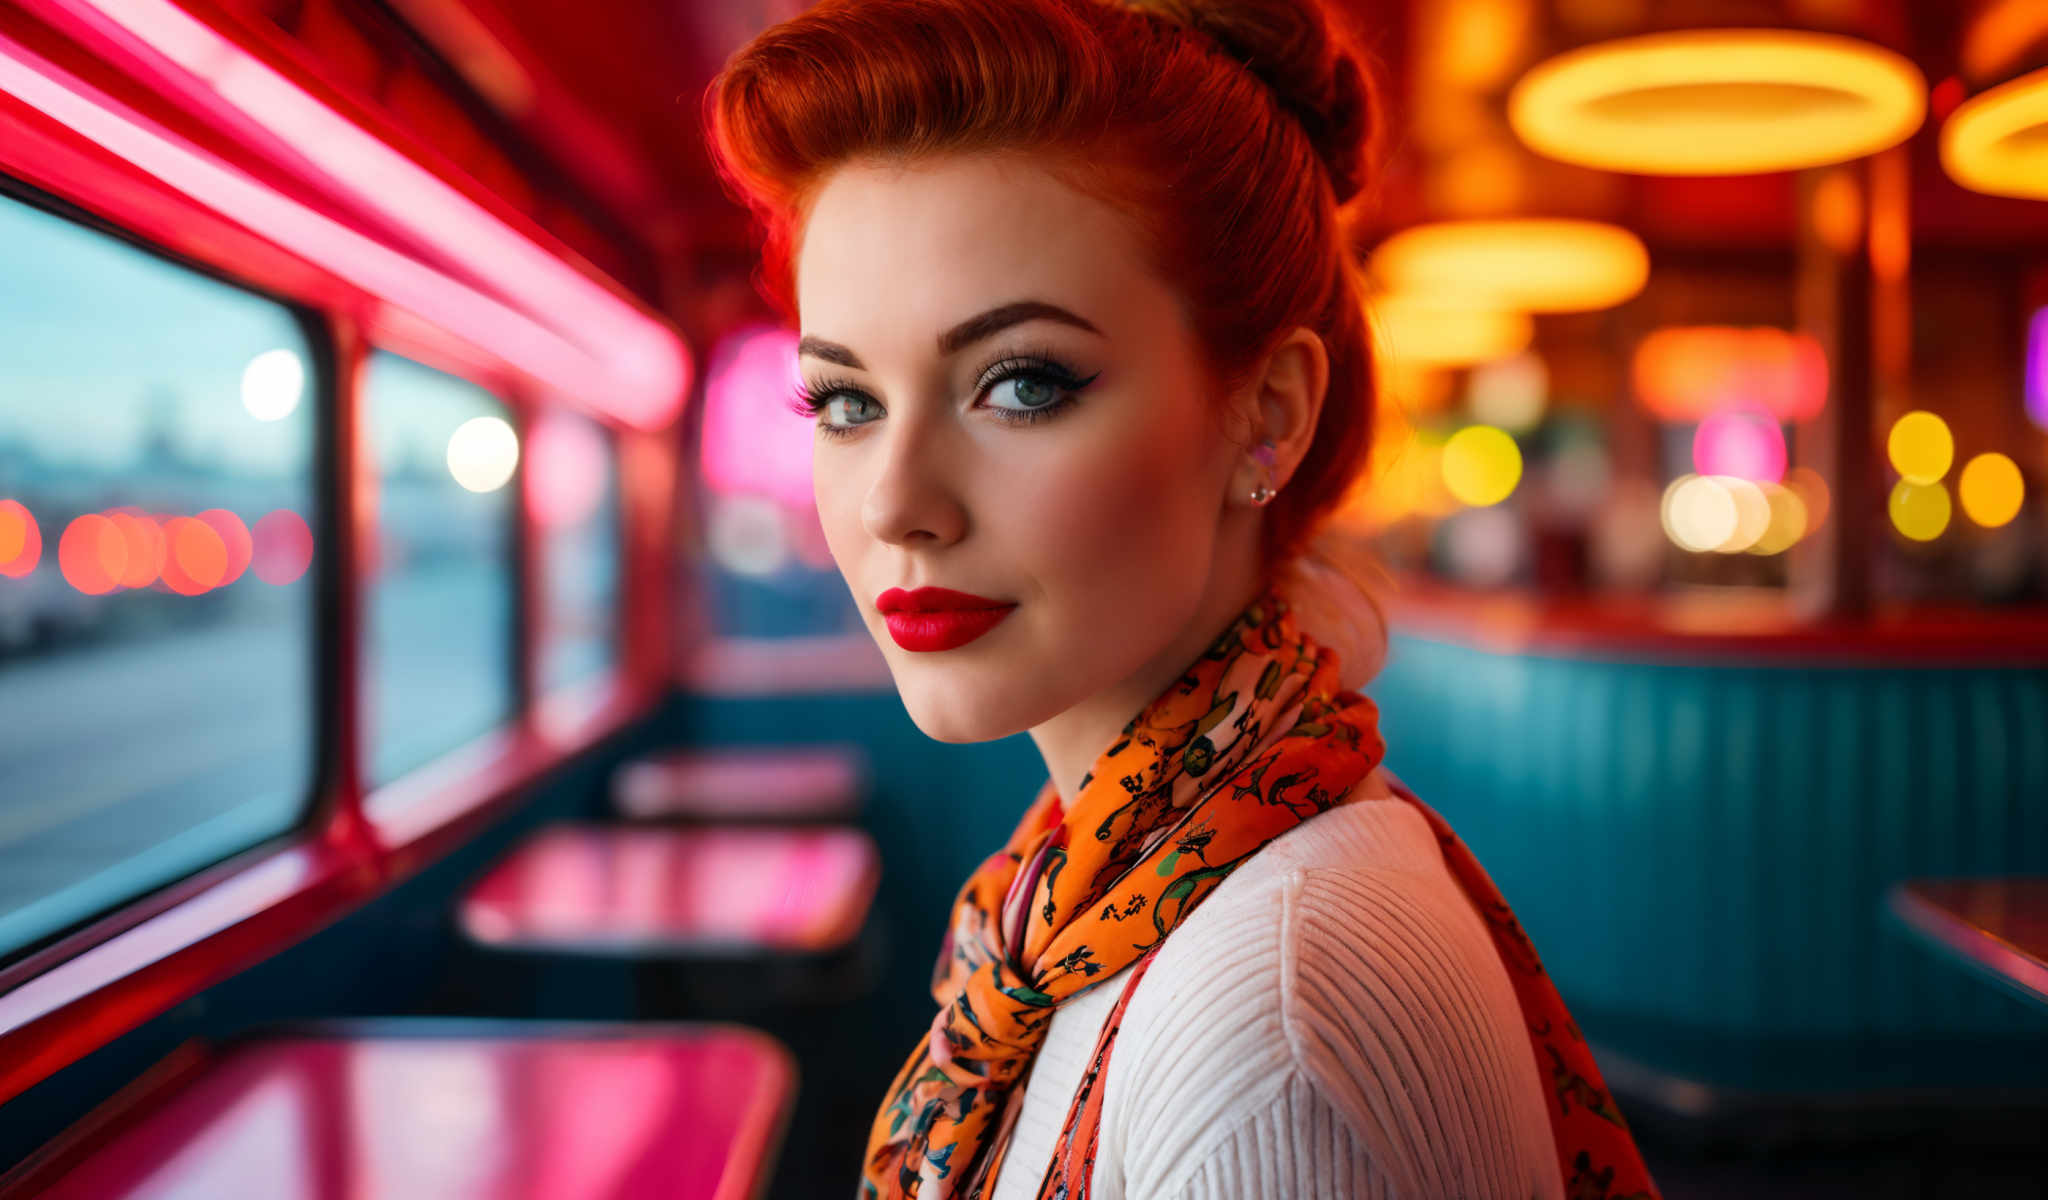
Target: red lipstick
(934, 618)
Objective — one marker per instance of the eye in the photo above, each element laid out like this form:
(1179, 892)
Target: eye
(847, 409)
(1025, 392)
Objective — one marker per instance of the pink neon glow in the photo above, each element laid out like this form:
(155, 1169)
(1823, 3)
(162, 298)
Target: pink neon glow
(598, 348)
(752, 442)
(1745, 443)
(566, 470)
(283, 547)
(2037, 368)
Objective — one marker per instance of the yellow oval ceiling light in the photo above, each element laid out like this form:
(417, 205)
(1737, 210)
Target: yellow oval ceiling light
(1997, 142)
(1519, 264)
(1718, 102)
(1427, 331)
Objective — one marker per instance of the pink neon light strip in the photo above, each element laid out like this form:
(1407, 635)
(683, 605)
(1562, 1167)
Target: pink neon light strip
(601, 349)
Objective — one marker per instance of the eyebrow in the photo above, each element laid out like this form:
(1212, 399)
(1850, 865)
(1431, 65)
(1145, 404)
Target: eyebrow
(960, 336)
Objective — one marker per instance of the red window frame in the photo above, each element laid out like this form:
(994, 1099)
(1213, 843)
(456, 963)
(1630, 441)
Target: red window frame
(91, 114)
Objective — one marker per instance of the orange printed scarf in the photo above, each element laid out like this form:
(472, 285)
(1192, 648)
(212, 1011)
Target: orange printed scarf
(1253, 739)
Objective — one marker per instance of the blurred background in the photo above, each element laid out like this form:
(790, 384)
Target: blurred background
(395, 472)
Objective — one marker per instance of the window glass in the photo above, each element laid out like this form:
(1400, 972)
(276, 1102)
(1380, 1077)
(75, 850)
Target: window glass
(156, 586)
(442, 580)
(572, 476)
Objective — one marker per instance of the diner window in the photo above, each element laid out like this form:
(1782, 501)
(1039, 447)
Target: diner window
(157, 509)
(572, 484)
(442, 579)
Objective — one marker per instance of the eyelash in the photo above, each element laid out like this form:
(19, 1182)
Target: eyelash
(810, 399)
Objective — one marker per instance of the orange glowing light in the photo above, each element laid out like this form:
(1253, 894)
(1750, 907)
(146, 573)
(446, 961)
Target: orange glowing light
(145, 541)
(198, 560)
(1812, 490)
(21, 541)
(1718, 102)
(1997, 142)
(92, 554)
(234, 536)
(1689, 373)
(1420, 332)
(1517, 264)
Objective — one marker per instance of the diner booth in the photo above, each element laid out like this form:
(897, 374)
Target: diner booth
(438, 756)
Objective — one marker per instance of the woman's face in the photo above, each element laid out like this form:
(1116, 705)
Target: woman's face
(1013, 407)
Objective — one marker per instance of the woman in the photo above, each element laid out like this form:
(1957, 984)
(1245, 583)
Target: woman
(1088, 366)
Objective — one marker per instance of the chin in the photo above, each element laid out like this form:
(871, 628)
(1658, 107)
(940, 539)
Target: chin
(945, 715)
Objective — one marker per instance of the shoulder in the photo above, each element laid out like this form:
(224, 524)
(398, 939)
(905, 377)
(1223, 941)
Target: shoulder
(1339, 979)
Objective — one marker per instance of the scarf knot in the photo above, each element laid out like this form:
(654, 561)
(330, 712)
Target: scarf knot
(1252, 739)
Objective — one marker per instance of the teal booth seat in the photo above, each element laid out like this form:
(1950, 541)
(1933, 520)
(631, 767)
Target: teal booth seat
(1700, 844)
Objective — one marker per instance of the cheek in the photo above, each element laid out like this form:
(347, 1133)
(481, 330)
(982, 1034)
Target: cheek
(1123, 511)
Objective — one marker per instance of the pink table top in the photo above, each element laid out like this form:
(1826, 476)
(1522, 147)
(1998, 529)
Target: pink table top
(1999, 925)
(681, 1111)
(653, 891)
(811, 781)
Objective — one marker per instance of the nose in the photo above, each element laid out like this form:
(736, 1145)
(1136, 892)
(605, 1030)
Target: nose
(912, 499)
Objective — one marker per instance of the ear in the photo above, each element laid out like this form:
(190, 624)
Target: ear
(1282, 401)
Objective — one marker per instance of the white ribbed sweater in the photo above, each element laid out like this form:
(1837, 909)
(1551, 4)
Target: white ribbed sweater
(1333, 1021)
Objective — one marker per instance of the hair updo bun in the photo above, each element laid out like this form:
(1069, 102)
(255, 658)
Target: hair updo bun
(1309, 64)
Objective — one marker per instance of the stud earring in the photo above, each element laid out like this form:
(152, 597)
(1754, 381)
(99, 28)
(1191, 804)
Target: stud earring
(1263, 455)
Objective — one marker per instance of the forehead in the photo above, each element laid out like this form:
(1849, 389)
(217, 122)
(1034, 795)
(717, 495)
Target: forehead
(906, 248)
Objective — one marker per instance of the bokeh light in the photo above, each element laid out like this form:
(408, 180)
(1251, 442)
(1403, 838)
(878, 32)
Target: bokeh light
(1787, 522)
(1742, 442)
(1516, 265)
(482, 453)
(146, 548)
(1481, 465)
(747, 534)
(752, 443)
(1812, 490)
(92, 554)
(1690, 372)
(234, 537)
(1921, 448)
(198, 558)
(21, 540)
(1483, 547)
(1991, 489)
(283, 547)
(1752, 513)
(1425, 331)
(272, 385)
(567, 468)
(1919, 510)
(2037, 368)
(1509, 393)
(1698, 514)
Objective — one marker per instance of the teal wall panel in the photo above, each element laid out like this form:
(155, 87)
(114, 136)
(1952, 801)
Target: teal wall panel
(1701, 850)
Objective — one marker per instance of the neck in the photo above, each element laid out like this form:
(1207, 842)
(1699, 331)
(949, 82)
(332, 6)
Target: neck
(1072, 741)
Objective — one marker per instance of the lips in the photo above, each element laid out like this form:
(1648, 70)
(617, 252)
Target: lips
(934, 618)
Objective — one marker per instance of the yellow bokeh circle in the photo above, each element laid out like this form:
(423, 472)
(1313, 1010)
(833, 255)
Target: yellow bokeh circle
(1481, 465)
(1992, 489)
(1921, 447)
(1919, 510)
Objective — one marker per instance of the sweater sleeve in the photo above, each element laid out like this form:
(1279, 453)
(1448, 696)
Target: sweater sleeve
(1296, 1146)
(1405, 1072)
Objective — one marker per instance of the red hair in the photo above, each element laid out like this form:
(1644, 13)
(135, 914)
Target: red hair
(1237, 178)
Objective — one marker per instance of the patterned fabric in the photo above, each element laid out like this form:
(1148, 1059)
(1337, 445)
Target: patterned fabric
(1254, 738)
